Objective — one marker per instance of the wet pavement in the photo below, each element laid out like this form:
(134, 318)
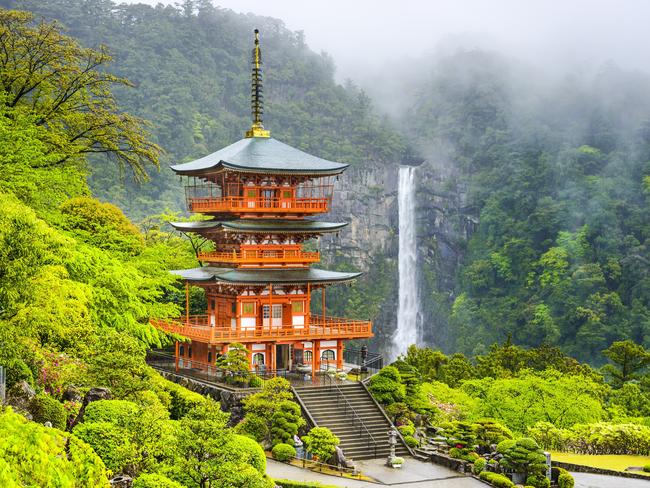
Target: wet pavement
(587, 480)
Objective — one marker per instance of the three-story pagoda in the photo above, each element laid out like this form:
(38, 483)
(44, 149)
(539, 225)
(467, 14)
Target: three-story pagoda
(258, 280)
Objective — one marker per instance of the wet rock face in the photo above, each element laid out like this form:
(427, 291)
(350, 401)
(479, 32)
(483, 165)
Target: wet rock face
(93, 395)
(121, 481)
(72, 394)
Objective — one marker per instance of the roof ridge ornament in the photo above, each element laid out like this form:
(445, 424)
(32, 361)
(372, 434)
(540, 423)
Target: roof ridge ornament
(257, 105)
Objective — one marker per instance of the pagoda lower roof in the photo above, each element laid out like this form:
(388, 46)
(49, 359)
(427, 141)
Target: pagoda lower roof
(256, 226)
(264, 276)
(260, 155)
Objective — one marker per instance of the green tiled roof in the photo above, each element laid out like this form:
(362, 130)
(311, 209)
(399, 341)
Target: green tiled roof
(261, 225)
(265, 276)
(261, 155)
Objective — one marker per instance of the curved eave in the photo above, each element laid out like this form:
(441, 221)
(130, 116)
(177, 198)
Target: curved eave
(264, 277)
(256, 227)
(225, 165)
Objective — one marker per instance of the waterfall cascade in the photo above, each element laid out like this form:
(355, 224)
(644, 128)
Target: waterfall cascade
(408, 311)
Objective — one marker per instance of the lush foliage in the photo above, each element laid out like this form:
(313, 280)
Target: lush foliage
(283, 452)
(387, 387)
(321, 443)
(153, 480)
(33, 455)
(497, 480)
(46, 408)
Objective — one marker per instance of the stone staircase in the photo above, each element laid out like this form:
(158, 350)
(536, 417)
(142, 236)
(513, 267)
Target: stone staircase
(352, 415)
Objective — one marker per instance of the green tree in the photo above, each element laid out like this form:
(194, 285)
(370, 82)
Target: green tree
(321, 443)
(627, 361)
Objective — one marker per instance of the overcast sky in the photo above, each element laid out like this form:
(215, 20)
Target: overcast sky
(363, 34)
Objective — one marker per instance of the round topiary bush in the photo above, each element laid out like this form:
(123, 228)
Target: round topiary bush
(114, 411)
(503, 446)
(283, 452)
(455, 453)
(406, 430)
(538, 481)
(411, 441)
(46, 408)
(153, 480)
(109, 441)
(646, 468)
(565, 480)
(479, 466)
(243, 449)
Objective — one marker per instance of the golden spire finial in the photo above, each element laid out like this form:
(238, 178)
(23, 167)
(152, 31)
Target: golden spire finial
(257, 106)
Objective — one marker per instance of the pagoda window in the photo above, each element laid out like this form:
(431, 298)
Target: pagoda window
(328, 355)
(258, 359)
(189, 352)
(298, 307)
(181, 351)
(209, 356)
(248, 308)
(307, 356)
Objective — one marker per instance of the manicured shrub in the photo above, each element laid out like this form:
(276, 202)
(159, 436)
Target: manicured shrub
(46, 408)
(497, 480)
(17, 370)
(321, 443)
(115, 411)
(406, 430)
(285, 422)
(455, 453)
(490, 432)
(470, 456)
(479, 466)
(526, 457)
(178, 400)
(565, 480)
(254, 427)
(110, 442)
(538, 481)
(411, 441)
(283, 452)
(462, 435)
(153, 480)
(255, 382)
(386, 386)
(503, 446)
(646, 468)
(241, 449)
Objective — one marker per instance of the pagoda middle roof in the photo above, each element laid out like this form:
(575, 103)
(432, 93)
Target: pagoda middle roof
(265, 276)
(260, 155)
(260, 225)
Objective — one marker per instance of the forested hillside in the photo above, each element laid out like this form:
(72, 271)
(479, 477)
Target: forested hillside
(191, 67)
(554, 169)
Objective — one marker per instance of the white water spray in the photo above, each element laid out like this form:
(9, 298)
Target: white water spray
(408, 312)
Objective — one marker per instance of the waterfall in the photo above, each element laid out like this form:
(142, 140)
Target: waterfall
(409, 301)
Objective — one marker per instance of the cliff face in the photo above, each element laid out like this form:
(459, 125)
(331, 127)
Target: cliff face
(366, 197)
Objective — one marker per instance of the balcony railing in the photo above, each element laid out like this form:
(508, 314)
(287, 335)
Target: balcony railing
(241, 205)
(198, 328)
(279, 256)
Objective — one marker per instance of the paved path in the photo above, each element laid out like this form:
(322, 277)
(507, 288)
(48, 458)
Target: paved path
(587, 480)
(414, 474)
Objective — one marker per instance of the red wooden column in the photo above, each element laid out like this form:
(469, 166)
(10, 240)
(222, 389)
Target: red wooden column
(249, 355)
(176, 356)
(339, 354)
(315, 356)
(187, 303)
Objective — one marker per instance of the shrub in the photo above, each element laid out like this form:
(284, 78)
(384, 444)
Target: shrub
(33, 455)
(490, 432)
(386, 386)
(538, 481)
(462, 434)
(411, 441)
(178, 400)
(255, 382)
(254, 427)
(646, 468)
(46, 408)
(153, 480)
(479, 466)
(565, 480)
(241, 449)
(17, 370)
(470, 456)
(406, 430)
(321, 443)
(114, 411)
(497, 480)
(283, 452)
(524, 456)
(110, 442)
(503, 446)
(285, 422)
(455, 453)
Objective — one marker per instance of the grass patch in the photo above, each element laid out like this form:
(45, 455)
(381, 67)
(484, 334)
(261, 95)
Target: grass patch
(615, 462)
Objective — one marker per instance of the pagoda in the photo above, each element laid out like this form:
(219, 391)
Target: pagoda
(260, 194)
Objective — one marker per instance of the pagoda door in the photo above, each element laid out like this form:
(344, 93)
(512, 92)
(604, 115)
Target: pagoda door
(274, 319)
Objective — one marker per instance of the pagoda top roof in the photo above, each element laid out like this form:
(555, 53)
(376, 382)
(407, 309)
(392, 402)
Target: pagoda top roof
(254, 226)
(265, 276)
(260, 155)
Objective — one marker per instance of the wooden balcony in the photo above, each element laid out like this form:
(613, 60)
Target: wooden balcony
(198, 329)
(273, 257)
(261, 205)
